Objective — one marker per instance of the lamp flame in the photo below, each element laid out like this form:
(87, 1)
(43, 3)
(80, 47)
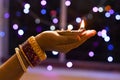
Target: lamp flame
(82, 25)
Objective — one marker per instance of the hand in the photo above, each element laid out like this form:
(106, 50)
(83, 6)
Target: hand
(55, 41)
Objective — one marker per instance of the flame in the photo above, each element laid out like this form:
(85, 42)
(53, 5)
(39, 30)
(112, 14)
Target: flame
(82, 26)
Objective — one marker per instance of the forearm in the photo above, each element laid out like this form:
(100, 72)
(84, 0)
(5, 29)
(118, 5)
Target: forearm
(12, 69)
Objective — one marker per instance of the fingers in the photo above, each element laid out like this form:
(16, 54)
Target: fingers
(89, 33)
(85, 36)
(67, 39)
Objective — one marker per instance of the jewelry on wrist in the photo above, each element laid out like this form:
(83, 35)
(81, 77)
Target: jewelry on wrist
(32, 51)
(20, 59)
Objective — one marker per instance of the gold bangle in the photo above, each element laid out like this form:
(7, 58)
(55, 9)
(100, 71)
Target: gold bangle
(25, 56)
(40, 53)
(20, 60)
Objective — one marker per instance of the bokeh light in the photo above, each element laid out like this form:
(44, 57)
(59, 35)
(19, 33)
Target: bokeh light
(107, 8)
(55, 52)
(43, 11)
(26, 11)
(107, 39)
(107, 14)
(91, 54)
(69, 64)
(2, 33)
(55, 20)
(52, 28)
(15, 26)
(20, 32)
(38, 29)
(78, 20)
(49, 67)
(6, 15)
(110, 47)
(100, 9)
(95, 9)
(117, 17)
(37, 20)
(43, 2)
(67, 3)
(110, 59)
(27, 6)
(70, 27)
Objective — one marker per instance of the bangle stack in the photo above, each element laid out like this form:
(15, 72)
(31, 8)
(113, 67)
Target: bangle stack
(32, 52)
(20, 59)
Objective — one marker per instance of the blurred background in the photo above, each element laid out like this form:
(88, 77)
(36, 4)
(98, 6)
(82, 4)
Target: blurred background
(20, 19)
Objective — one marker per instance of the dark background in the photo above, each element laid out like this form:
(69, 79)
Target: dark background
(81, 8)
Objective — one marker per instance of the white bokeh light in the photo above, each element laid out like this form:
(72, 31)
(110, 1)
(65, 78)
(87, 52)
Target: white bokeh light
(107, 14)
(95, 9)
(69, 64)
(43, 2)
(110, 59)
(107, 39)
(78, 20)
(26, 11)
(117, 17)
(104, 33)
(99, 33)
(100, 9)
(27, 6)
(55, 52)
(91, 54)
(70, 27)
(37, 20)
(52, 27)
(20, 32)
(49, 67)
(67, 3)
(15, 26)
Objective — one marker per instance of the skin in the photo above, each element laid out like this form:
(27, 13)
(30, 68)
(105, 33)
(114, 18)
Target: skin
(48, 41)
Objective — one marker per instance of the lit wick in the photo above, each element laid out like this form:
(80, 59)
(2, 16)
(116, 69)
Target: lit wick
(82, 25)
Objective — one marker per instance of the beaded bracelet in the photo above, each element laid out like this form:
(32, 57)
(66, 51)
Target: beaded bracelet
(32, 51)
